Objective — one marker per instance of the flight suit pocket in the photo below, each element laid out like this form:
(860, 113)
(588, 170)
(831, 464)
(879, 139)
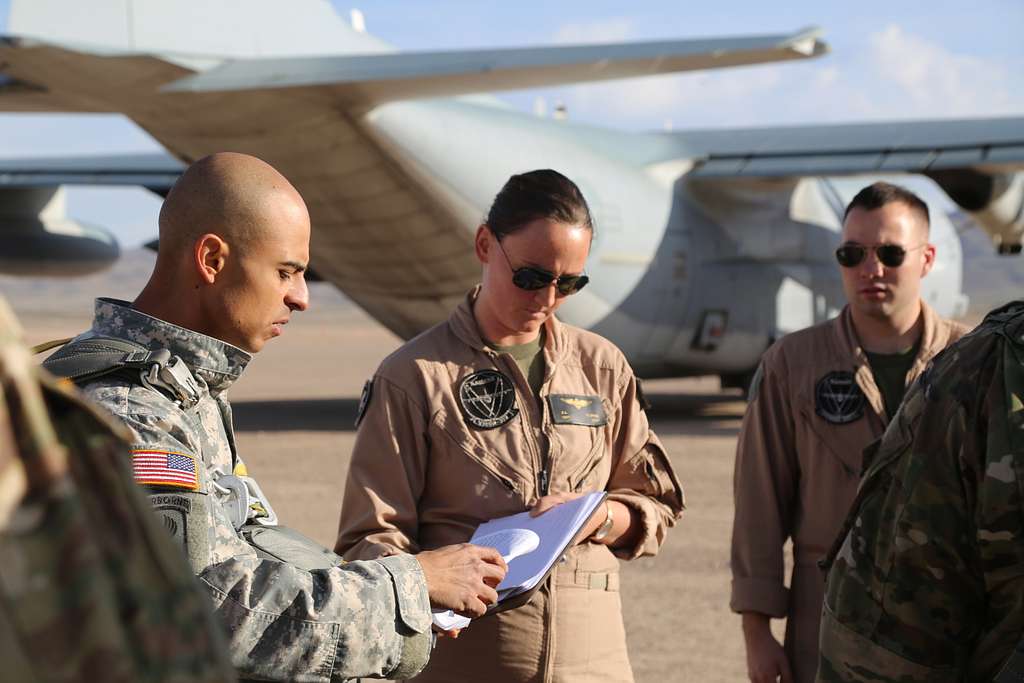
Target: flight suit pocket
(590, 469)
(842, 444)
(661, 475)
(578, 439)
(469, 444)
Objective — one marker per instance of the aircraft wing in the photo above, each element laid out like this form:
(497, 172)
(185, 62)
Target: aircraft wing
(891, 147)
(377, 78)
(156, 171)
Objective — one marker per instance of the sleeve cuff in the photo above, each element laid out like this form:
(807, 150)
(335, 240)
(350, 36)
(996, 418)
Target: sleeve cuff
(410, 591)
(415, 655)
(652, 533)
(764, 596)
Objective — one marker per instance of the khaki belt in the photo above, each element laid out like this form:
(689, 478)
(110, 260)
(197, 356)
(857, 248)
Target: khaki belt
(600, 581)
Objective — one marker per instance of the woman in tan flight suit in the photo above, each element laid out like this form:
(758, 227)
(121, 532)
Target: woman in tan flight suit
(501, 409)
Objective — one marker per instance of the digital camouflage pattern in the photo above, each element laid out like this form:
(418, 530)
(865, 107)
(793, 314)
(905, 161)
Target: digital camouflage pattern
(927, 577)
(91, 589)
(284, 622)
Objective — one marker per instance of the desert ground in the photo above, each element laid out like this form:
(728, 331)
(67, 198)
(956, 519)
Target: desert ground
(294, 411)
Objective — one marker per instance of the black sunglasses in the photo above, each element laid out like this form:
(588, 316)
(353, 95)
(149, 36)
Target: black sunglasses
(531, 279)
(889, 255)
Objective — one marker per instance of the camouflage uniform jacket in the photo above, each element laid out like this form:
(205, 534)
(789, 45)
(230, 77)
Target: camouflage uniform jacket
(284, 622)
(927, 576)
(91, 587)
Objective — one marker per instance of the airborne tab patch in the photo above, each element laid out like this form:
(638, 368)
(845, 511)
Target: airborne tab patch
(165, 468)
(569, 409)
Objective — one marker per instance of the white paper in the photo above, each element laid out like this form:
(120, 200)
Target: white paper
(530, 545)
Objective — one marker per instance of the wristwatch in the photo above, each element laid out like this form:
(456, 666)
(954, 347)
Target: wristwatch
(609, 521)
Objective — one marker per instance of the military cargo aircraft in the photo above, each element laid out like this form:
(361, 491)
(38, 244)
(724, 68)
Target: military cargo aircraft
(709, 244)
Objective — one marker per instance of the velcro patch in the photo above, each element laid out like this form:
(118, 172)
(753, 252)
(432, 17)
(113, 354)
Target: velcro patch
(569, 409)
(165, 468)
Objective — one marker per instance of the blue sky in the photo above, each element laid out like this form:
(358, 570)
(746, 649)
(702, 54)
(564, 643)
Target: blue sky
(890, 60)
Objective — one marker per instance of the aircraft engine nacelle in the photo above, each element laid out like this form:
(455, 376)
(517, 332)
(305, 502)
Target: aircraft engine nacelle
(994, 200)
(37, 238)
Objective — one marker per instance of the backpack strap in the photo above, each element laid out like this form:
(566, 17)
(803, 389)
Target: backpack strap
(88, 359)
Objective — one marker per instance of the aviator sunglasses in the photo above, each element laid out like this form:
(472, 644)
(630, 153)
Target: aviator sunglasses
(889, 255)
(531, 279)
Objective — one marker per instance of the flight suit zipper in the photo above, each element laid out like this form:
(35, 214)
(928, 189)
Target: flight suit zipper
(543, 476)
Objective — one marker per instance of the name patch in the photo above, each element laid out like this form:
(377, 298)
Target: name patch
(838, 399)
(165, 468)
(487, 399)
(571, 409)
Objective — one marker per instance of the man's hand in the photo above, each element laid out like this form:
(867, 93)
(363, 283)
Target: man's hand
(766, 660)
(462, 577)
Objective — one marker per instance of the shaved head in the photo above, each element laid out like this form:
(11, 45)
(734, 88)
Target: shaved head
(234, 247)
(234, 196)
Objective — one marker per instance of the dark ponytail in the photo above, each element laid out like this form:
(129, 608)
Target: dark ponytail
(541, 194)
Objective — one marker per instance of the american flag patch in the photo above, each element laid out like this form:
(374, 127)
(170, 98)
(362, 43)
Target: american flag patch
(165, 468)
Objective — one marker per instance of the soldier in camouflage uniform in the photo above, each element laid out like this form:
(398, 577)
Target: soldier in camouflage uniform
(926, 580)
(234, 238)
(90, 587)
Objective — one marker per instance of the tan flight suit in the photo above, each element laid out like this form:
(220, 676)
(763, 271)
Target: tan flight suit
(813, 409)
(450, 436)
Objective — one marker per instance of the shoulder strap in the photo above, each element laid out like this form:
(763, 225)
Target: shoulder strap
(98, 356)
(94, 357)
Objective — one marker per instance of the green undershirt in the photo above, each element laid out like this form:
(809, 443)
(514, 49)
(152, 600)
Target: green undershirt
(530, 359)
(890, 371)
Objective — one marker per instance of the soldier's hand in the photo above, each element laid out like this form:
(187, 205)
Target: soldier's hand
(462, 577)
(766, 659)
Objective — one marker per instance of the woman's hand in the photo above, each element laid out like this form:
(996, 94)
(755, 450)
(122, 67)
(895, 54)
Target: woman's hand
(626, 522)
(551, 500)
(555, 499)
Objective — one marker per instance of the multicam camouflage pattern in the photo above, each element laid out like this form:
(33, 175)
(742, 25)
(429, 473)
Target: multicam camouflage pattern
(90, 586)
(927, 577)
(284, 623)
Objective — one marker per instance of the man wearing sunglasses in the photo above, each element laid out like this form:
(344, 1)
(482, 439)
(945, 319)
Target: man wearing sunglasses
(819, 397)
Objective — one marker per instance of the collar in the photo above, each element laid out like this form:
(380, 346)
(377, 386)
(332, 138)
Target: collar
(218, 363)
(848, 343)
(464, 326)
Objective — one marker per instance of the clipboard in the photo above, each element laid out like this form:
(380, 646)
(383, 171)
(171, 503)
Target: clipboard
(550, 535)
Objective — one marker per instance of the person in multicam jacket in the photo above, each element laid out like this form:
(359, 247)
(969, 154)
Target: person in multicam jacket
(234, 242)
(500, 409)
(926, 580)
(91, 588)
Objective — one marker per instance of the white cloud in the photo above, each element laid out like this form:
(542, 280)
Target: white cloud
(890, 74)
(932, 79)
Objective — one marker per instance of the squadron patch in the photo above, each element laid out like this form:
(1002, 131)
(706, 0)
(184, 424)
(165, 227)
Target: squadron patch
(838, 399)
(568, 409)
(364, 401)
(487, 399)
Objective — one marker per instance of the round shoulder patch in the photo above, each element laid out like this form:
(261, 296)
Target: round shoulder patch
(838, 399)
(487, 399)
(364, 401)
